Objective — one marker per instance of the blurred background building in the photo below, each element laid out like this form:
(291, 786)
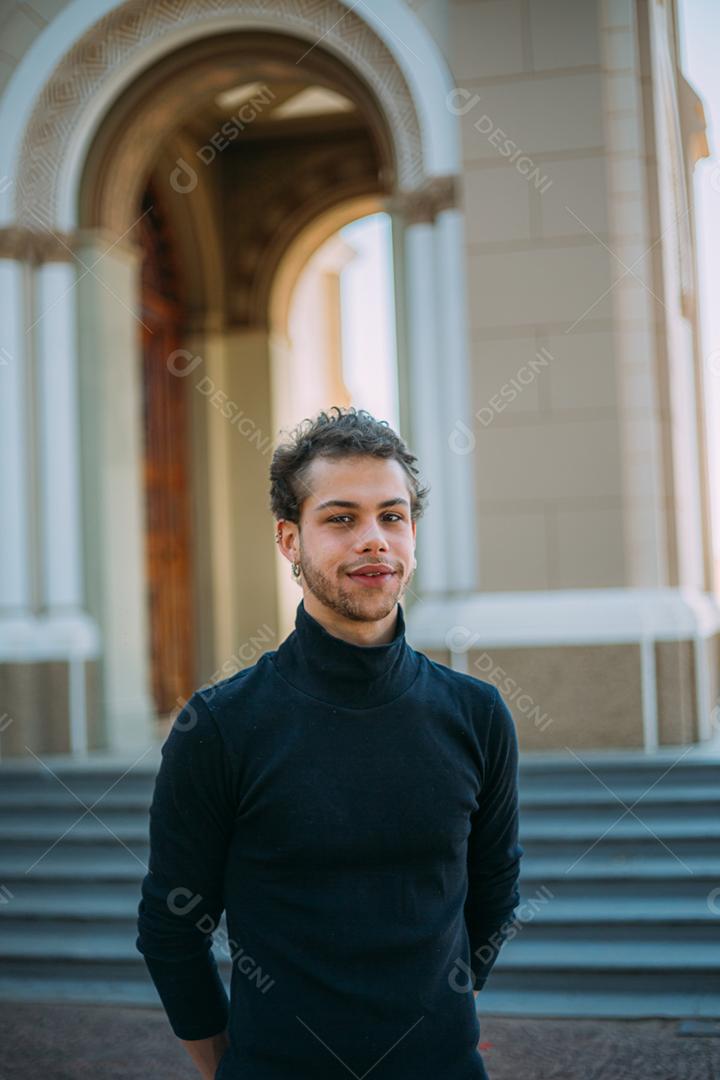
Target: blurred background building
(474, 218)
(176, 182)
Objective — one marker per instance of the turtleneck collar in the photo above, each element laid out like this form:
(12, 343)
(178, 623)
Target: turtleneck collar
(340, 673)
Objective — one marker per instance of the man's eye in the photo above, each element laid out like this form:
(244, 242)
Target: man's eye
(339, 517)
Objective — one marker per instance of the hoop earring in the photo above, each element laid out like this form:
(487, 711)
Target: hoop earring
(295, 570)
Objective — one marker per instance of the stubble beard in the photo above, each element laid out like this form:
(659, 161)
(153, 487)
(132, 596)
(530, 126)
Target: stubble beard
(350, 602)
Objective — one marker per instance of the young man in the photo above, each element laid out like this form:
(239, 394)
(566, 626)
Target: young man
(349, 803)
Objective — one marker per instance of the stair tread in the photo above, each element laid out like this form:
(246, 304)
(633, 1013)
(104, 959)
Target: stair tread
(579, 828)
(82, 903)
(596, 793)
(118, 943)
(696, 828)
(599, 865)
(614, 955)
(53, 826)
(596, 865)
(491, 1002)
(671, 1003)
(531, 795)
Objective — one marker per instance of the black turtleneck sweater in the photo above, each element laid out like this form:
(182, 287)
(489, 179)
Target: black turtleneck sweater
(353, 809)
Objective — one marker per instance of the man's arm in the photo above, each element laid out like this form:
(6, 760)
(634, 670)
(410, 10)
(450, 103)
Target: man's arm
(206, 1053)
(494, 852)
(191, 822)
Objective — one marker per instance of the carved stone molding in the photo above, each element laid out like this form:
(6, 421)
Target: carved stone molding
(118, 38)
(424, 203)
(48, 245)
(35, 245)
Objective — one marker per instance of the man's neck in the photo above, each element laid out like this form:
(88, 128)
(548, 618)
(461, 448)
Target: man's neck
(355, 631)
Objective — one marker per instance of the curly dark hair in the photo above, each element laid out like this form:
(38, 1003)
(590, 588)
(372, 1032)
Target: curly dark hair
(351, 432)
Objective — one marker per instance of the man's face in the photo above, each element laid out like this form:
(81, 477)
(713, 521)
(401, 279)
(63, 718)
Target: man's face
(336, 540)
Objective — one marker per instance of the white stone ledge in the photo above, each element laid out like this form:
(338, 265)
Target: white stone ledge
(562, 617)
(34, 638)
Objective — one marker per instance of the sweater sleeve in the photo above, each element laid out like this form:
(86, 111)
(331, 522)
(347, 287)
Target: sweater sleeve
(191, 821)
(494, 852)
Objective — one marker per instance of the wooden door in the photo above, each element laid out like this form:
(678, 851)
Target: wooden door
(167, 473)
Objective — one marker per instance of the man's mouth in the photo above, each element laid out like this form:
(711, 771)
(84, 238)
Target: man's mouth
(372, 577)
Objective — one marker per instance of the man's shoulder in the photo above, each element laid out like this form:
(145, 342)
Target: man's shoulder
(466, 687)
(225, 694)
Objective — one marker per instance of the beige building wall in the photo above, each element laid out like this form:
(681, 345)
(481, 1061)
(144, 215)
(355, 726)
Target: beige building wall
(549, 494)
(587, 446)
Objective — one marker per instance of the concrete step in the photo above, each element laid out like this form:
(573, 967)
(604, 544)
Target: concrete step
(670, 764)
(31, 800)
(616, 918)
(603, 997)
(48, 826)
(58, 906)
(44, 826)
(621, 890)
(60, 865)
(69, 942)
(682, 764)
(674, 802)
(39, 798)
(593, 912)
(537, 1001)
(57, 946)
(112, 864)
(616, 954)
(625, 840)
(70, 901)
(628, 864)
(582, 825)
(51, 988)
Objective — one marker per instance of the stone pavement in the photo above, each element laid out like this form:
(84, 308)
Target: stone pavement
(73, 1042)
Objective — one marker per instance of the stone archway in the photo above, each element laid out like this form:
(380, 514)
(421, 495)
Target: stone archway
(55, 222)
(113, 52)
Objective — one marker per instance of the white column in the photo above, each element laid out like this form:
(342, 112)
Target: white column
(15, 564)
(58, 437)
(452, 357)
(110, 392)
(65, 631)
(638, 344)
(438, 386)
(425, 392)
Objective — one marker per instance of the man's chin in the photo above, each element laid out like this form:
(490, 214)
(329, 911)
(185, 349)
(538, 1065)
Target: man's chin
(364, 607)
